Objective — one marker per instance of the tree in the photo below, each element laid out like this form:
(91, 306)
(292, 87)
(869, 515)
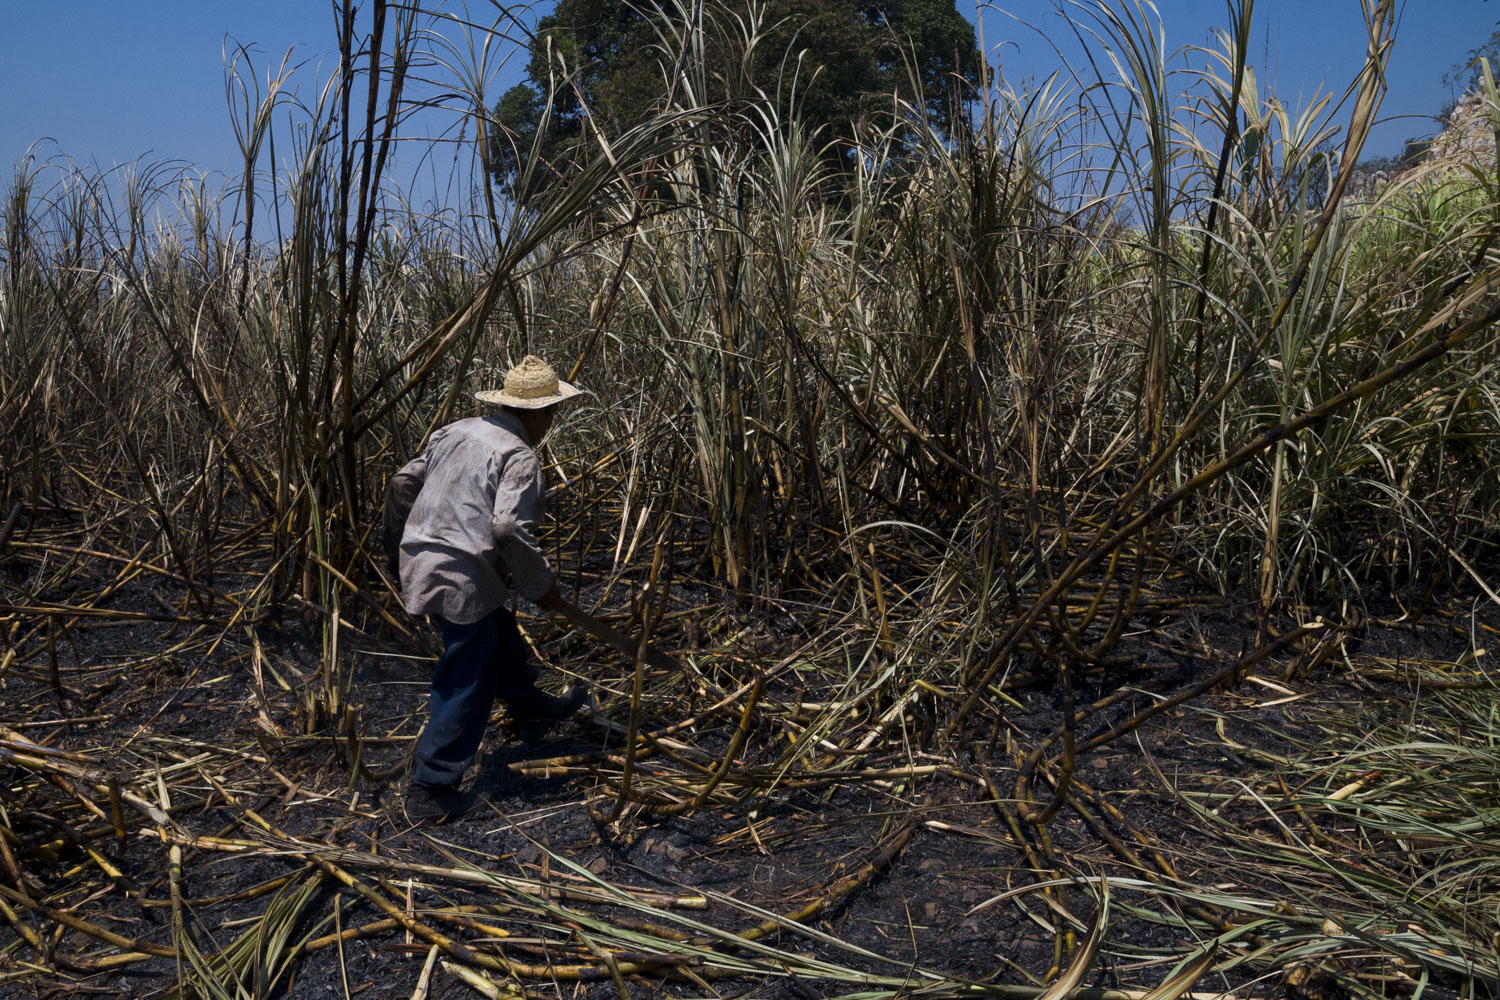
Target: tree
(1464, 76)
(602, 62)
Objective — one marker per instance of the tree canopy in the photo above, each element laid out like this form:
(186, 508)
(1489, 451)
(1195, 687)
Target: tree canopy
(603, 60)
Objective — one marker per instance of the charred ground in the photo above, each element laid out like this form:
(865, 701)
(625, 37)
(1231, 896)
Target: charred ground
(900, 865)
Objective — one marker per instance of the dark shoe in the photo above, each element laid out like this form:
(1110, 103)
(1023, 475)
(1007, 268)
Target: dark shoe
(537, 713)
(429, 805)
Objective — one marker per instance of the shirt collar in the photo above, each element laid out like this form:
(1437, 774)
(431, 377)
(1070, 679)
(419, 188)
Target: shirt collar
(506, 419)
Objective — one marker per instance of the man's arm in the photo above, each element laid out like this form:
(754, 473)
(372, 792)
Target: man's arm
(518, 514)
(400, 493)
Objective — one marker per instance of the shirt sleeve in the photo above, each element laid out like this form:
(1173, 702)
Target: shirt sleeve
(400, 494)
(519, 507)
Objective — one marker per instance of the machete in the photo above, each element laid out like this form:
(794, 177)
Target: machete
(627, 646)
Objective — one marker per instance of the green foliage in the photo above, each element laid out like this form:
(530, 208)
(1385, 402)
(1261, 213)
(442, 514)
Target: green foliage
(604, 65)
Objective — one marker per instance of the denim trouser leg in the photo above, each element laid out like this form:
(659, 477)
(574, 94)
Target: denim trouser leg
(479, 661)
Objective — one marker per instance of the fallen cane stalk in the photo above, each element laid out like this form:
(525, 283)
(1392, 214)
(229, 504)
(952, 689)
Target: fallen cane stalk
(25, 931)
(736, 743)
(478, 983)
(350, 934)
(57, 765)
(845, 887)
(1270, 649)
(423, 981)
(1025, 803)
(458, 915)
(457, 949)
(174, 875)
(68, 920)
(359, 859)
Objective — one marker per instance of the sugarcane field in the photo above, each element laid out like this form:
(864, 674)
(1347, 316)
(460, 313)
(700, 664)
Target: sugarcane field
(777, 503)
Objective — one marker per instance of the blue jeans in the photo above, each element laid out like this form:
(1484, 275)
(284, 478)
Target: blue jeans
(480, 662)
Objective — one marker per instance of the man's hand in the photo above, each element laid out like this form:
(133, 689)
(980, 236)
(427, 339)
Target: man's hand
(551, 600)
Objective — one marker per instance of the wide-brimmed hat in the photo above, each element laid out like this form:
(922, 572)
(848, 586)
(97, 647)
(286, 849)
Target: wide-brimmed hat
(530, 385)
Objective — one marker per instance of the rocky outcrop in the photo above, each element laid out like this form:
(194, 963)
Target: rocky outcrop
(1469, 137)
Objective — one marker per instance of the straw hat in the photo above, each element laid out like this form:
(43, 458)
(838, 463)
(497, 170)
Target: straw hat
(530, 385)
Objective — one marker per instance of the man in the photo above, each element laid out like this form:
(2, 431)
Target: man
(462, 518)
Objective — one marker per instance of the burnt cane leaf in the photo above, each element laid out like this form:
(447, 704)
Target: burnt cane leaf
(1073, 974)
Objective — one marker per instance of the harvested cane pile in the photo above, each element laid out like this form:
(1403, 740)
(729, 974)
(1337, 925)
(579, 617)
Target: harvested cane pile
(1027, 593)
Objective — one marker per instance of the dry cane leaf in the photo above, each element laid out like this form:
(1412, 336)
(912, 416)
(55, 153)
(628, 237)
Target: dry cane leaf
(1183, 980)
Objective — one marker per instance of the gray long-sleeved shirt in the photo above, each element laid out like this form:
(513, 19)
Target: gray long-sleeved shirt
(475, 501)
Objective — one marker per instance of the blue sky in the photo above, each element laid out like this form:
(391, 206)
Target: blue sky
(110, 81)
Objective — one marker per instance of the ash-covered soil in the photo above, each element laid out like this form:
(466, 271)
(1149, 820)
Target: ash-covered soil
(924, 870)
